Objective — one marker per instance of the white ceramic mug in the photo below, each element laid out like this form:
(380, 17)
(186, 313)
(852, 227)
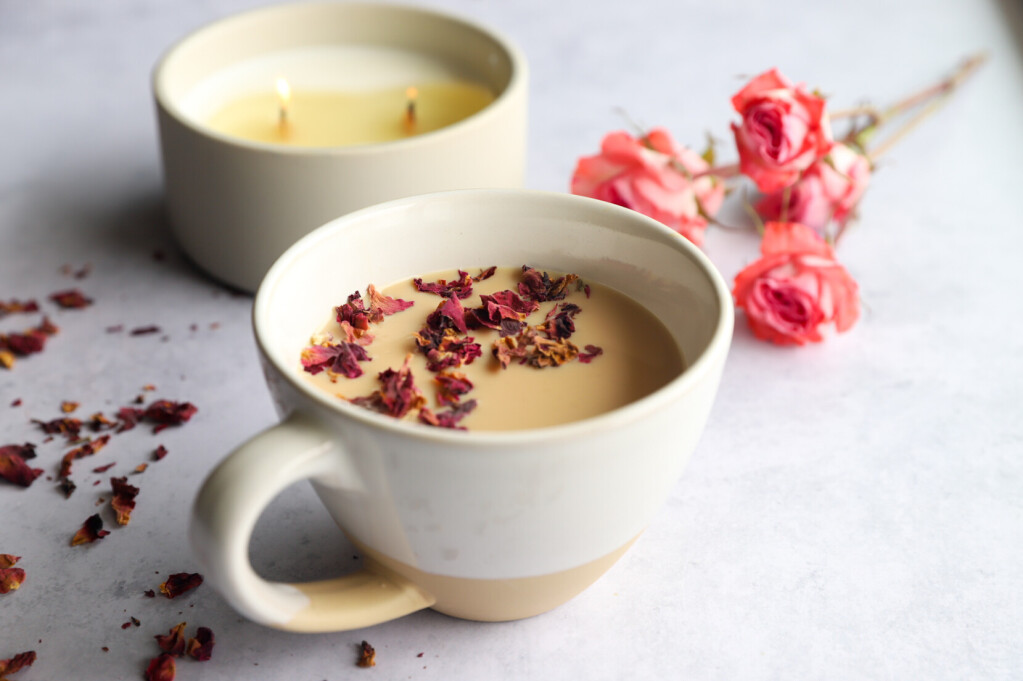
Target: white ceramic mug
(479, 525)
(235, 205)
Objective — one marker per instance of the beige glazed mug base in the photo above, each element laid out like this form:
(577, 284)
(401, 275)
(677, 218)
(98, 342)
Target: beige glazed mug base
(480, 600)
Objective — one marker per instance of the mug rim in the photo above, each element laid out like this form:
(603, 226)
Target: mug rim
(692, 375)
(508, 96)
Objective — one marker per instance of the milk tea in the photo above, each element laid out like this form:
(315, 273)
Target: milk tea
(523, 349)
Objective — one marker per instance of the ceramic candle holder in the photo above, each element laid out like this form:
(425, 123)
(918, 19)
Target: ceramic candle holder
(236, 204)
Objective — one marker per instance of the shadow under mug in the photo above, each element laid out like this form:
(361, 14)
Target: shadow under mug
(480, 525)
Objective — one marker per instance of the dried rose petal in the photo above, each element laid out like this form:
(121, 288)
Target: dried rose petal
(173, 643)
(460, 288)
(381, 305)
(161, 668)
(504, 311)
(166, 413)
(559, 322)
(180, 583)
(23, 344)
(449, 315)
(6, 356)
(67, 406)
(149, 593)
(445, 350)
(141, 468)
(448, 418)
(547, 352)
(591, 352)
(367, 655)
(128, 417)
(397, 395)
(70, 299)
(539, 286)
(485, 273)
(67, 487)
(15, 306)
(10, 577)
(104, 469)
(510, 349)
(201, 647)
(16, 663)
(342, 358)
(98, 422)
(144, 330)
(451, 386)
(123, 501)
(87, 449)
(159, 452)
(355, 313)
(91, 530)
(67, 426)
(16, 402)
(13, 468)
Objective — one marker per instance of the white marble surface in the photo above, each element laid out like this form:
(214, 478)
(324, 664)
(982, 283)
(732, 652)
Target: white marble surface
(853, 511)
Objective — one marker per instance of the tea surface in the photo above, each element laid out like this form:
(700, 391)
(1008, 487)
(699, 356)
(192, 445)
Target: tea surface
(638, 356)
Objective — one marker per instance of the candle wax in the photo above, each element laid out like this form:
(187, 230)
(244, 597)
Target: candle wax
(319, 118)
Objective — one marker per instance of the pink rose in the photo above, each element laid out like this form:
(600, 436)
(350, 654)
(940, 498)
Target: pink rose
(829, 190)
(784, 130)
(795, 288)
(654, 176)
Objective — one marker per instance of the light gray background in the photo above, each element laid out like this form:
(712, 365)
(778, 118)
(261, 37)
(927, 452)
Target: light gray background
(853, 511)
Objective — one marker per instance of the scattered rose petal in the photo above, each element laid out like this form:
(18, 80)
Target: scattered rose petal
(149, 593)
(91, 530)
(67, 406)
(592, 351)
(15, 306)
(10, 577)
(13, 468)
(504, 311)
(367, 655)
(67, 426)
(159, 452)
(16, 403)
(16, 663)
(123, 501)
(180, 583)
(87, 449)
(381, 305)
(141, 468)
(342, 358)
(201, 647)
(456, 288)
(447, 418)
(161, 668)
(167, 413)
(539, 286)
(128, 418)
(547, 352)
(173, 643)
(70, 299)
(6, 358)
(98, 422)
(7, 560)
(68, 487)
(559, 322)
(354, 312)
(451, 386)
(144, 330)
(445, 350)
(397, 395)
(104, 469)
(510, 349)
(449, 315)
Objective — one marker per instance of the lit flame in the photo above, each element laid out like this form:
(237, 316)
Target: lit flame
(412, 93)
(284, 92)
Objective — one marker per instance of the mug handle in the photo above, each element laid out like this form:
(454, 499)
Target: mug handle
(225, 513)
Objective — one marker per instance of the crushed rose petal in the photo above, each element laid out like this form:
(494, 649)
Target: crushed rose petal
(70, 299)
(104, 469)
(67, 406)
(381, 305)
(559, 321)
(67, 426)
(342, 358)
(504, 311)
(159, 452)
(167, 413)
(513, 348)
(397, 395)
(367, 655)
(449, 315)
(201, 646)
(451, 386)
(161, 668)
(547, 352)
(355, 313)
(539, 286)
(460, 288)
(87, 449)
(447, 418)
(16, 663)
(123, 501)
(10, 577)
(68, 487)
(141, 468)
(173, 643)
(445, 350)
(13, 468)
(592, 351)
(15, 306)
(144, 330)
(180, 583)
(91, 530)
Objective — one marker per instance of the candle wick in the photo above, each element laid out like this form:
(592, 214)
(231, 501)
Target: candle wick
(410, 112)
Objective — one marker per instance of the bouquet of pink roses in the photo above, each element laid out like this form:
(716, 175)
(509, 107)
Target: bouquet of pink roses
(810, 185)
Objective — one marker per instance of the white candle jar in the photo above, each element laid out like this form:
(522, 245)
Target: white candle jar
(236, 204)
